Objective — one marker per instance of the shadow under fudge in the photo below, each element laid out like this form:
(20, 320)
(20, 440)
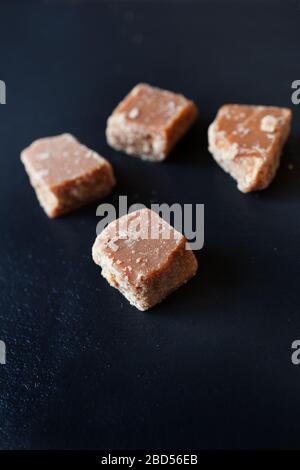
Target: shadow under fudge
(285, 186)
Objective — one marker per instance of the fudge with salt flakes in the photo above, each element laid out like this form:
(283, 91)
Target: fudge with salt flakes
(66, 174)
(144, 257)
(149, 122)
(247, 141)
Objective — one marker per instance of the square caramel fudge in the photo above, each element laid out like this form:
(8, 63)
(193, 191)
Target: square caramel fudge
(66, 174)
(149, 122)
(144, 257)
(247, 141)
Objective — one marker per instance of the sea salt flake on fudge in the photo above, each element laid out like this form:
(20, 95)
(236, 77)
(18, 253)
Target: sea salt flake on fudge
(149, 122)
(247, 141)
(144, 257)
(66, 174)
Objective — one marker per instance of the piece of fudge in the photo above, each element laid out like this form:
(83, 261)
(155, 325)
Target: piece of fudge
(144, 257)
(66, 174)
(149, 122)
(247, 142)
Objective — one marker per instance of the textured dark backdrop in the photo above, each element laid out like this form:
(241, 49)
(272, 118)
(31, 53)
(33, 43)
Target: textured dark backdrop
(210, 367)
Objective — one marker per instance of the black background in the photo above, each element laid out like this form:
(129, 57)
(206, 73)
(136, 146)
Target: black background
(211, 366)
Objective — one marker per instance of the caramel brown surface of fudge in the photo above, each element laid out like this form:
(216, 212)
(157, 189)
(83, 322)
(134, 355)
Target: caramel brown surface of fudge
(247, 142)
(144, 257)
(66, 174)
(149, 122)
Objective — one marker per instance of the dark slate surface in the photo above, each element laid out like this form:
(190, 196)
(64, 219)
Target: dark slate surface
(210, 367)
